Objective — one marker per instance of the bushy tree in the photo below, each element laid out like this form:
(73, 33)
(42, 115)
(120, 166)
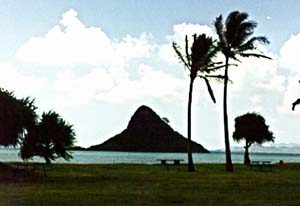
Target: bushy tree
(252, 128)
(17, 117)
(235, 42)
(49, 139)
(199, 61)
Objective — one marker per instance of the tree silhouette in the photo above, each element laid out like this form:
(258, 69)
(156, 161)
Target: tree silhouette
(199, 61)
(50, 139)
(234, 42)
(166, 120)
(17, 116)
(252, 128)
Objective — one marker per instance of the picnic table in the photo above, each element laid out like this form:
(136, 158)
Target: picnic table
(261, 164)
(170, 161)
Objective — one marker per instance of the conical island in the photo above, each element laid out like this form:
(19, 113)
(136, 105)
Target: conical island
(147, 132)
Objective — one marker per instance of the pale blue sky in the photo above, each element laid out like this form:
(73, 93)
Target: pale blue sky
(44, 57)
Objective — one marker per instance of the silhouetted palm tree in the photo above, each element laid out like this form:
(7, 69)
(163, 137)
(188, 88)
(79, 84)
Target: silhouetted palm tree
(234, 42)
(199, 63)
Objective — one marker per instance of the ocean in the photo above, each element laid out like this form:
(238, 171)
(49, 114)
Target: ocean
(95, 157)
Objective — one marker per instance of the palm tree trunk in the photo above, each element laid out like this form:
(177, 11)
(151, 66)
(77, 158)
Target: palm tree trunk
(229, 166)
(191, 167)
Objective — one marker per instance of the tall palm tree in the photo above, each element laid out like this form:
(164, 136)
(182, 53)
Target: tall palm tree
(198, 60)
(234, 42)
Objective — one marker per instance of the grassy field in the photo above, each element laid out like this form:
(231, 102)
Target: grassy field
(123, 184)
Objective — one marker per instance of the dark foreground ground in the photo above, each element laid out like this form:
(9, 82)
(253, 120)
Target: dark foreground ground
(123, 184)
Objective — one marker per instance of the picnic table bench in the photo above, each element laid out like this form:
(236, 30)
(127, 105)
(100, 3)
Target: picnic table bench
(261, 164)
(170, 161)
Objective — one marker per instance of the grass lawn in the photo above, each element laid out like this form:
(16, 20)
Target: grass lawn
(124, 184)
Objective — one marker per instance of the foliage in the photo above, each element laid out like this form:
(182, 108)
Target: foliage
(166, 120)
(235, 41)
(50, 138)
(234, 36)
(17, 117)
(199, 59)
(252, 128)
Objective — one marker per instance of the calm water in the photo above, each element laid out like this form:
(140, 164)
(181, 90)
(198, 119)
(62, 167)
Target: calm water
(87, 157)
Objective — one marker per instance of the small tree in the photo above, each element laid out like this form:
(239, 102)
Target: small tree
(49, 139)
(166, 120)
(253, 129)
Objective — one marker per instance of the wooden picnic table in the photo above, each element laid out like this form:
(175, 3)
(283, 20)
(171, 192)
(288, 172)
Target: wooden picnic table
(261, 164)
(170, 161)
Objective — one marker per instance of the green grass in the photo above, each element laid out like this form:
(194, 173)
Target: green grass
(123, 184)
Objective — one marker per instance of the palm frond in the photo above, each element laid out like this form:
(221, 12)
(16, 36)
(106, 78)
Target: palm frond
(250, 44)
(220, 31)
(254, 55)
(215, 77)
(245, 30)
(232, 23)
(210, 91)
(213, 51)
(233, 56)
(187, 54)
(179, 55)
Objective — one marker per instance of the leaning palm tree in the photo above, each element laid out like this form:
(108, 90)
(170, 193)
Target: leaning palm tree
(198, 60)
(234, 42)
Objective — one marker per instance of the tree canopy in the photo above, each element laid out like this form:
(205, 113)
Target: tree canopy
(50, 138)
(17, 117)
(252, 128)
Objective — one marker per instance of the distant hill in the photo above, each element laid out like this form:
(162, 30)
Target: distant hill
(273, 149)
(77, 148)
(147, 132)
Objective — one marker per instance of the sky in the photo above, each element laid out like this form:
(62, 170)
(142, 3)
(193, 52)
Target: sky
(96, 62)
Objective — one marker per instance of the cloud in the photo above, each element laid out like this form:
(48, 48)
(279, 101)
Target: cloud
(150, 83)
(291, 94)
(181, 30)
(109, 70)
(252, 77)
(22, 85)
(289, 60)
(71, 42)
(95, 70)
(290, 52)
(166, 52)
(80, 90)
